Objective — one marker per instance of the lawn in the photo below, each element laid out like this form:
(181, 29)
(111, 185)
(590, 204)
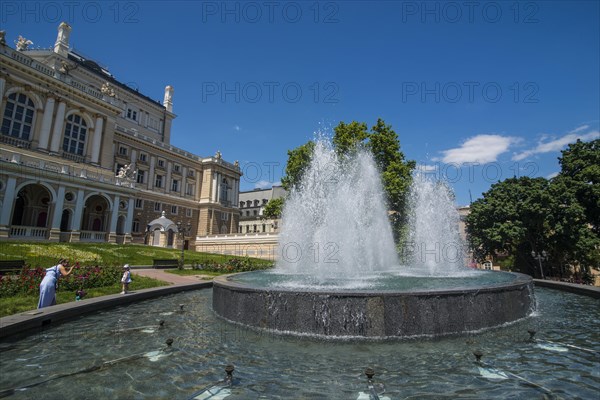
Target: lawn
(47, 254)
(108, 256)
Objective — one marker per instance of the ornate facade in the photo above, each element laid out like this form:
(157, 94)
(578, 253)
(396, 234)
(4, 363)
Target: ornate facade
(84, 157)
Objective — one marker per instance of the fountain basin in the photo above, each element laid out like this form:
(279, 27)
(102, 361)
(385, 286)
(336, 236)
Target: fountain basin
(373, 312)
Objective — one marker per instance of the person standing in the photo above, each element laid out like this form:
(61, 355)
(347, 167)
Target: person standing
(126, 279)
(50, 282)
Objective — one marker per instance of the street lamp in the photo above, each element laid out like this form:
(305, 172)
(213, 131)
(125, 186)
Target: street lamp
(539, 257)
(183, 232)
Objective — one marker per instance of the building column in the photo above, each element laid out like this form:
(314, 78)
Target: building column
(168, 178)
(57, 215)
(129, 220)
(183, 181)
(76, 221)
(59, 123)
(2, 86)
(151, 173)
(97, 140)
(46, 124)
(7, 206)
(112, 235)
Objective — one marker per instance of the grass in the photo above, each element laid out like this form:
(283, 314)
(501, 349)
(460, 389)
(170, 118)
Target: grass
(46, 254)
(21, 303)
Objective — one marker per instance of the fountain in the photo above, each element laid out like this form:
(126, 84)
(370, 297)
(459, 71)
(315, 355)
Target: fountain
(339, 274)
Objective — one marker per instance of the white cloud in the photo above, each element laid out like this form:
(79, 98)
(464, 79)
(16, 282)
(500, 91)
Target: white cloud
(544, 146)
(552, 175)
(478, 149)
(264, 184)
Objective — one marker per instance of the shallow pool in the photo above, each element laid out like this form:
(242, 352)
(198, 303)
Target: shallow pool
(121, 354)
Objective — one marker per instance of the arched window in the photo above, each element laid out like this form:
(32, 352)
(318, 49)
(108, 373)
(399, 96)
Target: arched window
(18, 116)
(75, 134)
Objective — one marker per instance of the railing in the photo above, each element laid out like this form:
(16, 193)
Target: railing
(13, 141)
(44, 69)
(92, 236)
(30, 232)
(73, 157)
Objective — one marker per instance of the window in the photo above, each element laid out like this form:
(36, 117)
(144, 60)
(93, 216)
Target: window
(75, 134)
(255, 213)
(191, 173)
(175, 185)
(122, 150)
(158, 181)
(225, 216)
(189, 189)
(139, 203)
(242, 204)
(188, 212)
(157, 206)
(143, 157)
(152, 123)
(141, 176)
(247, 228)
(256, 203)
(174, 210)
(264, 228)
(247, 213)
(132, 114)
(254, 230)
(177, 168)
(18, 116)
(161, 163)
(487, 265)
(135, 227)
(224, 190)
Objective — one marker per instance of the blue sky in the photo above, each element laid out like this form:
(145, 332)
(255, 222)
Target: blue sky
(477, 91)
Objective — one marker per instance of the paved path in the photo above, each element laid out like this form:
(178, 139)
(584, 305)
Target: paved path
(162, 275)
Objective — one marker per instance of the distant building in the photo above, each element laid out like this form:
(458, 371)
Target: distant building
(252, 204)
(85, 157)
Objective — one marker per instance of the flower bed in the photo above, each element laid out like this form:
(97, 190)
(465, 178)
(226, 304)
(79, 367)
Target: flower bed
(82, 277)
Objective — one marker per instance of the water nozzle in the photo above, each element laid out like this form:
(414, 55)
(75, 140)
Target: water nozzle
(532, 333)
(369, 372)
(478, 354)
(161, 322)
(181, 307)
(229, 370)
(169, 342)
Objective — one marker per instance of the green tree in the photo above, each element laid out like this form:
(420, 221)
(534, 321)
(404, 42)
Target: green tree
(383, 142)
(298, 161)
(580, 172)
(511, 218)
(274, 208)
(348, 138)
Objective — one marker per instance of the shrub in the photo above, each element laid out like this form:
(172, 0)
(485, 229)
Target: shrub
(82, 277)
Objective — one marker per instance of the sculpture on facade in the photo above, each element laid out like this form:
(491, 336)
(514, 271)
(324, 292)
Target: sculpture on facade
(126, 175)
(236, 164)
(107, 90)
(2, 37)
(218, 155)
(66, 67)
(22, 43)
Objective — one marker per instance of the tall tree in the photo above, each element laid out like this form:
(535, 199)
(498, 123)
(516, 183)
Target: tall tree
(580, 171)
(350, 137)
(511, 218)
(383, 142)
(298, 161)
(274, 208)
